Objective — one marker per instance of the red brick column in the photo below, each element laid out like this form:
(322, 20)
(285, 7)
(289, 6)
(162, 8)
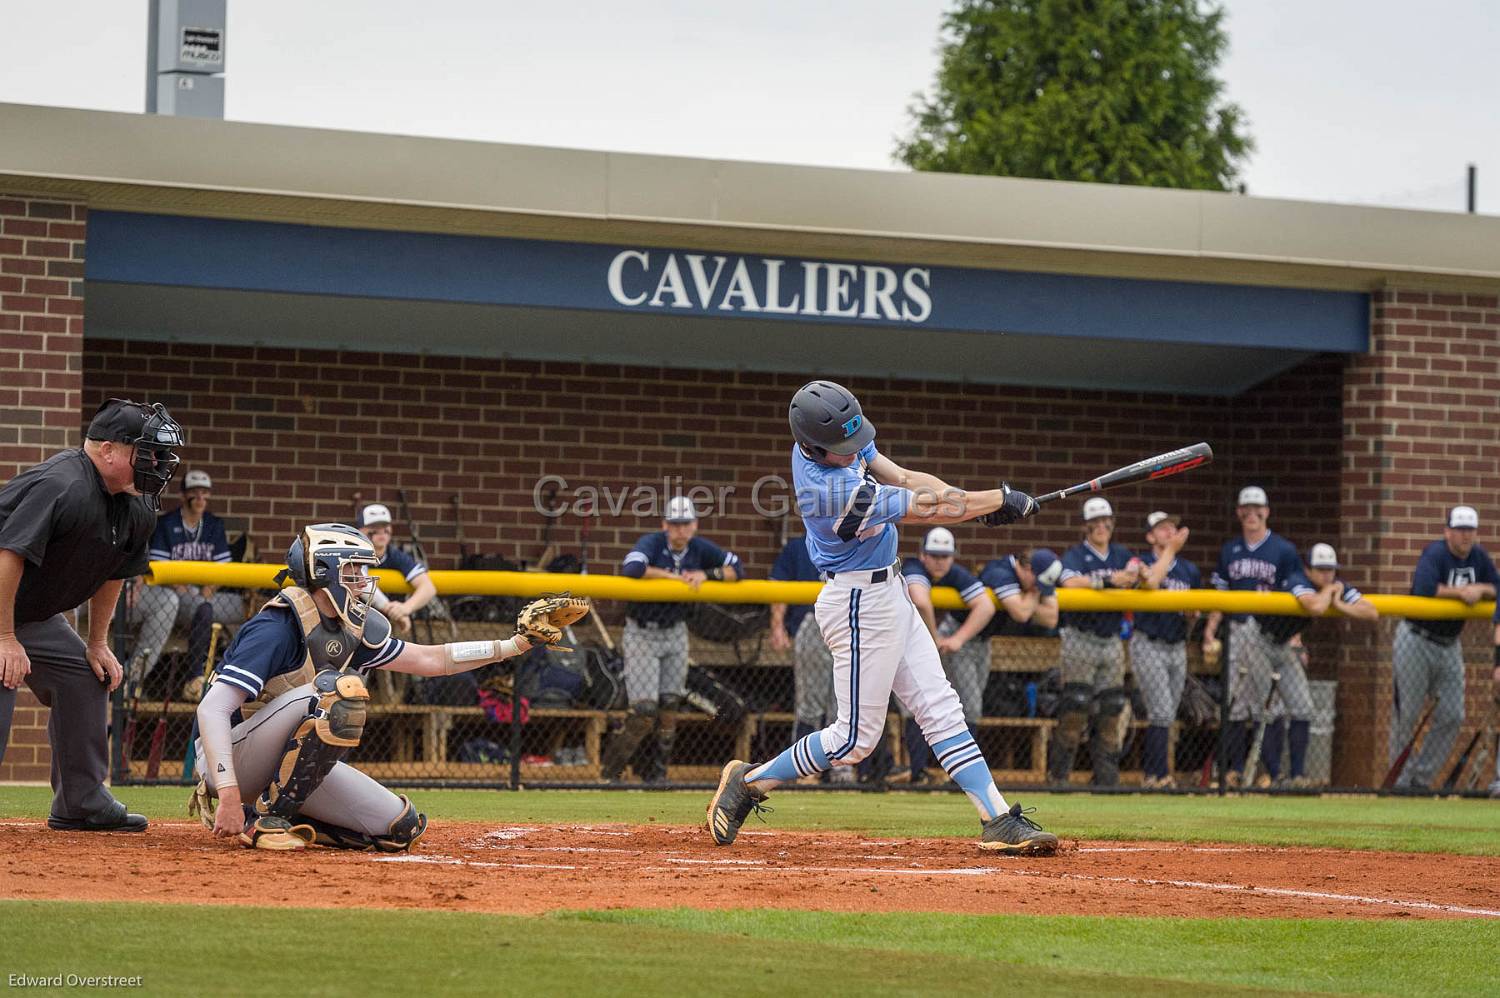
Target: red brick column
(41, 381)
(1420, 435)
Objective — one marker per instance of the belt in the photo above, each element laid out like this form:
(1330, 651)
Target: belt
(879, 575)
(656, 625)
(1429, 637)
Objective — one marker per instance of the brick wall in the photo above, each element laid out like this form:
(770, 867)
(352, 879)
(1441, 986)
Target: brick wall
(290, 436)
(1421, 436)
(41, 328)
(28, 757)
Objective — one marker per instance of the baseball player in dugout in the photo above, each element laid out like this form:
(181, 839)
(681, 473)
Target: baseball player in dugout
(1158, 643)
(375, 523)
(1093, 653)
(288, 699)
(959, 634)
(851, 498)
(1260, 560)
(1026, 585)
(1427, 660)
(655, 641)
(72, 529)
(188, 533)
(795, 628)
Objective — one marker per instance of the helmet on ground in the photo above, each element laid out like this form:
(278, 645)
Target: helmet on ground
(826, 417)
(336, 558)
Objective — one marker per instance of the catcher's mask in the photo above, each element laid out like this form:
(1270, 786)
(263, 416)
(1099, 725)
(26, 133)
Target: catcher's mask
(152, 431)
(336, 558)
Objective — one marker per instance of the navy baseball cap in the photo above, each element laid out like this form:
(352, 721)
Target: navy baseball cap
(1046, 566)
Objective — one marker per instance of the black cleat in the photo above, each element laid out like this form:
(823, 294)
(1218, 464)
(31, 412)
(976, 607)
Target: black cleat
(732, 804)
(1016, 834)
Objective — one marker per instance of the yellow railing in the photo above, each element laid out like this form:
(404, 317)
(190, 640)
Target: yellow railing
(617, 587)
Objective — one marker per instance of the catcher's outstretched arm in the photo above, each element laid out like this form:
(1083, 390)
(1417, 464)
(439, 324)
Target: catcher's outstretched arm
(455, 656)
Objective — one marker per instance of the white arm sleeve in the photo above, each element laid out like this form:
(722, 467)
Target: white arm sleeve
(219, 704)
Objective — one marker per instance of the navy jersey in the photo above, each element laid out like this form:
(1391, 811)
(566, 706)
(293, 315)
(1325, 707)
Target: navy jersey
(1170, 627)
(849, 517)
(271, 644)
(1438, 567)
(794, 564)
(172, 541)
(397, 559)
(1266, 567)
(913, 571)
(1000, 575)
(1283, 629)
(653, 551)
(1082, 560)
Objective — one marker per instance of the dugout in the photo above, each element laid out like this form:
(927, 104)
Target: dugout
(333, 312)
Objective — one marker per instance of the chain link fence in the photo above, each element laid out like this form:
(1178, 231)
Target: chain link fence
(1048, 708)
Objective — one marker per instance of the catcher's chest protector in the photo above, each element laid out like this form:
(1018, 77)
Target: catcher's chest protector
(322, 648)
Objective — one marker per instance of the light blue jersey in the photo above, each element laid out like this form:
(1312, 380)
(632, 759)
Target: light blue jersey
(849, 517)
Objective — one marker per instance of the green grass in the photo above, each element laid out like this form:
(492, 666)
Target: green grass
(191, 950)
(1392, 823)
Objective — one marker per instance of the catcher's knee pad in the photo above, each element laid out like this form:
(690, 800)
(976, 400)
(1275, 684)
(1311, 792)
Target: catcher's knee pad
(1112, 703)
(335, 725)
(1073, 712)
(402, 836)
(276, 834)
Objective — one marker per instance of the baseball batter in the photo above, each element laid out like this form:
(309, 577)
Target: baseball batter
(1093, 655)
(851, 497)
(288, 699)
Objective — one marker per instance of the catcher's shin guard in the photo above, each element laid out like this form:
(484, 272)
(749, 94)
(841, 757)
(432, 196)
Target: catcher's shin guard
(403, 835)
(638, 724)
(1109, 736)
(335, 726)
(1072, 721)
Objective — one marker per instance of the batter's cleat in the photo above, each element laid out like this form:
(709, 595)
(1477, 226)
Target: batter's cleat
(732, 804)
(276, 834)
(1016, 834)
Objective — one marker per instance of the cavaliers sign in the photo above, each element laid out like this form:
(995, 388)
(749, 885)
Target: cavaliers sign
(714, 285)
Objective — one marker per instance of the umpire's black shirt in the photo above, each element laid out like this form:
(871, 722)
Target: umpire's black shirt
(73, 534)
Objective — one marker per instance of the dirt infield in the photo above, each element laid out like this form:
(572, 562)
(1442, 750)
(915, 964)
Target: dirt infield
(528, 869)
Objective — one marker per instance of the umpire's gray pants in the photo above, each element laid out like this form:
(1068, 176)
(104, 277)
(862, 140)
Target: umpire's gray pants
(78, 727)
(346, 797)
(1423, 668)
(1252, 659)
(656, 661)
(1160, 669)
(812, 676)
(968, 669)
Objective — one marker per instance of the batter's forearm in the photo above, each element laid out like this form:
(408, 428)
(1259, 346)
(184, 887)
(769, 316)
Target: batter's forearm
(947, 506)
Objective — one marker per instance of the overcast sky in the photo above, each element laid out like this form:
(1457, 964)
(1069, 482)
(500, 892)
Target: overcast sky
(1375, 101)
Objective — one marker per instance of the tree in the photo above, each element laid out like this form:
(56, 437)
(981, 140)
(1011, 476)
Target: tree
(1110, 91)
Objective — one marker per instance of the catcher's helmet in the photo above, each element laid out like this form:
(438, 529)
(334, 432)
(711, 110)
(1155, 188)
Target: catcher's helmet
(336, 558)
(826, 418)
(152, 431)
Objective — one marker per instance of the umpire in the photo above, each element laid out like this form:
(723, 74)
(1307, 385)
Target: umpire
(71, 530)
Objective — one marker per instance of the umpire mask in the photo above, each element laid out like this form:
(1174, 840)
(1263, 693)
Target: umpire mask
(336, 558)
(152, 431)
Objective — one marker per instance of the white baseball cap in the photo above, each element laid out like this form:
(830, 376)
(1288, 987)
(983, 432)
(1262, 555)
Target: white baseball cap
(1152, 519)
(939, 541)
(1095, 508)
(680, 510)
(373, 514)
(196, 480)
(1322, 556)
(1253, 495)
(1464, 518)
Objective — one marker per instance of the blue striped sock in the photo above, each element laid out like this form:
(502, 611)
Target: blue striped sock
(963, 761)
(804, 758)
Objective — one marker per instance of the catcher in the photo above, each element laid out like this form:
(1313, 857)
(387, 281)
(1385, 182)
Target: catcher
(288, 699)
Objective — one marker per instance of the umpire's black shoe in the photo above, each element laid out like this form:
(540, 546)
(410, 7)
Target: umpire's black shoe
(1014, 833)
(732, 804)
(113, 818)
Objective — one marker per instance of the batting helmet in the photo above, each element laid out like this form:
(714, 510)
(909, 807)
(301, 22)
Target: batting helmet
(826, 418)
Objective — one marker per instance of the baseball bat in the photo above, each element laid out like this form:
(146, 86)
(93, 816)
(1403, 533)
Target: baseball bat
(1161, 466)
(1463, 761)
(1253, 758)
(1400, 763)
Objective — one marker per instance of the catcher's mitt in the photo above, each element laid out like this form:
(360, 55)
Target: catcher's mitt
(542, 621)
